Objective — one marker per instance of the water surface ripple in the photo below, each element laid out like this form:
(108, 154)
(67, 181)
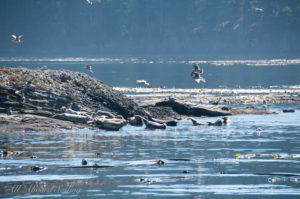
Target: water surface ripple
(200, 162)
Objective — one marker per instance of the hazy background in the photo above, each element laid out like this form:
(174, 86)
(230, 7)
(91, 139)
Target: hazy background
(62, 28)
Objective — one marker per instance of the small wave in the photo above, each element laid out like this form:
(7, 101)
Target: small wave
(234, 189)
(270, 62)
(21, 178)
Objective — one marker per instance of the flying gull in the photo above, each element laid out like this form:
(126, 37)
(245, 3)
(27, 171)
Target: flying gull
(198, 69)
(89, 2)
(196, 74)
(143, 82)
(17, 38)
(89, 67)
(259, 10)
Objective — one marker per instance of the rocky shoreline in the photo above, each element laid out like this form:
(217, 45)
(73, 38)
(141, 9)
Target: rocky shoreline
(53, 100)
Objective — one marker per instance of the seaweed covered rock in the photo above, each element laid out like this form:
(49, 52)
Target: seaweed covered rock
(189, 109)
(48, 91)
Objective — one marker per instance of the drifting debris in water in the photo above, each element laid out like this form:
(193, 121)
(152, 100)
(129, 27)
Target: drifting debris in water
(31, 157)
(69, 156)
(160, 162)
(37, 168)
(162, 179)
(96, 154)
(10, 153)
(274, 156)
(146, 180)
(284, 179)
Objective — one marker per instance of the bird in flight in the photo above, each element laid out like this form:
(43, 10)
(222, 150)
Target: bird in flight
(89, 67)
(198, 69)
(143, 82)
(17, 38)
(196, 74)
(89, 2)
(259, 10)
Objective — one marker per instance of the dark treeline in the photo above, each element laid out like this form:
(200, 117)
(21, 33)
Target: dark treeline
(75, 28)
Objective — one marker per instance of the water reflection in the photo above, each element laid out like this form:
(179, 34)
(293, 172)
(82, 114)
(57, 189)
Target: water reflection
(209, 162)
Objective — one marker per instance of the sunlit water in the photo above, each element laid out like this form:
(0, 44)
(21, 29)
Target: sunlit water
(207, 162)
(175, 73)
(235, 161)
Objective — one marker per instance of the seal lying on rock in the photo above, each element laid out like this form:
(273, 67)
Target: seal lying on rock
(152, 124)
(109, 124)
(73, 117)
(135, 121)
(168, 122)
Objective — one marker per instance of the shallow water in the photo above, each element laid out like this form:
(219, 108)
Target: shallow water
(237, 161)
(200, 162)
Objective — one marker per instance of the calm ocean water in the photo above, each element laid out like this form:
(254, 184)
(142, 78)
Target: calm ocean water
(235, 161)
(175, 73)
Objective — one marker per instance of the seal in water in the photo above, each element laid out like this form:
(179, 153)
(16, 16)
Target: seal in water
(84, 161)
(226, 120)
(195, 122)
(36, 168)
(219, 122)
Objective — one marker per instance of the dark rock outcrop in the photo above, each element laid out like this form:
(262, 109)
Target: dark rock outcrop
(186, 109)
(24, 89)
(47, 100)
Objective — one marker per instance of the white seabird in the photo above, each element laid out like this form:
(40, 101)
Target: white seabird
(17, 38)
(143, 82)
(89, 2)
(198, 69)
(259, 10)
(196, 76)
(89, 67)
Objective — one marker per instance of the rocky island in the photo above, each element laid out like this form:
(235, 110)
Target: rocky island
(51, 100)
